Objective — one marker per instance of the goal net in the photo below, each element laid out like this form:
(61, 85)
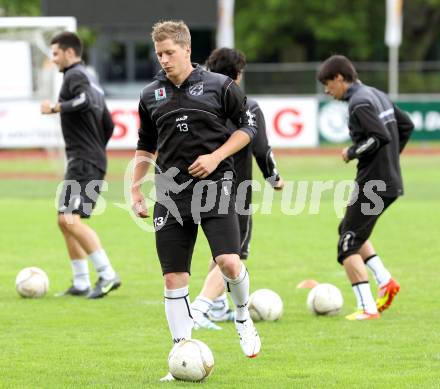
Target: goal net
(27, 76)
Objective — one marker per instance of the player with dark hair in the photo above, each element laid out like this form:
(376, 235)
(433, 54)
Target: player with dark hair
(212, 303)
(183, 115)
(87, 126)
(379, 131)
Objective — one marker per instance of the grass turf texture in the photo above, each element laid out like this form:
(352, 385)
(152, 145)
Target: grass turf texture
(123, 340)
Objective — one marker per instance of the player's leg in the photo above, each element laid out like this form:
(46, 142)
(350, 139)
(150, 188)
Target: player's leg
(66, 203)
(354, 230)
(80, 268)
(72, 225)
(388, 287)
(85, 237)
(177, 308)
(80, 193)
(223, 237)
(220, 310)
(357, 274)
(213, 300)
(236, 278)
(175, 246)
(213, 287)
(375, 264)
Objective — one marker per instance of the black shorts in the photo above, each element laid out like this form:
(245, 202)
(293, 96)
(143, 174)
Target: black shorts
(357, 225)
(177, 221)
(81, 187)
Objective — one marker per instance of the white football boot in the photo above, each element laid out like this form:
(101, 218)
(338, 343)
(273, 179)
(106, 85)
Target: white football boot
(201, 320)
(249, 339)
(167, 378)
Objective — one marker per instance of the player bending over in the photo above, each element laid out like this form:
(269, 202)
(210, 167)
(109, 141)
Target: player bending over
(212, 303)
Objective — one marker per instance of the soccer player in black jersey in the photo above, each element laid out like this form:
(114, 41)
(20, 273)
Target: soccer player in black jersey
(379, 131)
(87, 126)
(212, 303)
(183, 115)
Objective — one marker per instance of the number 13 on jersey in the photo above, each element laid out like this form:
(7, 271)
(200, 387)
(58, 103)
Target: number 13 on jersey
(182, 127)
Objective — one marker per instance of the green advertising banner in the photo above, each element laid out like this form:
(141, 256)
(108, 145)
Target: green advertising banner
(333, 115)
(426, 118)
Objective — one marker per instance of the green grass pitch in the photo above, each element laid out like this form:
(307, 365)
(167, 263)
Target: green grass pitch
(123, 341)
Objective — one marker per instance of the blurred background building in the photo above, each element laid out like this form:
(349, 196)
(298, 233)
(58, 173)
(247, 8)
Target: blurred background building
(284, 40)
(117, 34)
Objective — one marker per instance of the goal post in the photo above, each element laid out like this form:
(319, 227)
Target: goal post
(27, 76)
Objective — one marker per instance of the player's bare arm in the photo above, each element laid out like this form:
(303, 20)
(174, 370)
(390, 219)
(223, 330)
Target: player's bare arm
(142, 164)
(344, 154)
(279, 185)
(48, 108)
(205, 164)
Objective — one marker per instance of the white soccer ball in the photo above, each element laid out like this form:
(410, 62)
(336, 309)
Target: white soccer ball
(32, 282)
(265, 304)
(190, 360)
(325, 299)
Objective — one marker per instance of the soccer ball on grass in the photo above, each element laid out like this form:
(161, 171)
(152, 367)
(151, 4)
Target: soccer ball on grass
(32, 282)
(325, 299)
(190, 360)
(265, 304)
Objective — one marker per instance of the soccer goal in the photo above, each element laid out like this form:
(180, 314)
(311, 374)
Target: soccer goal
(27, 77)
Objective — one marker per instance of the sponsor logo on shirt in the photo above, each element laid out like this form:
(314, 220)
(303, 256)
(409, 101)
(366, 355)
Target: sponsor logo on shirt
(160, 94)
(196, 89)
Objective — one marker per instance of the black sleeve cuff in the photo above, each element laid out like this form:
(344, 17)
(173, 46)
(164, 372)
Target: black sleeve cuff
(248, 130)
(272, 180)
(351, 152)
(148, 148)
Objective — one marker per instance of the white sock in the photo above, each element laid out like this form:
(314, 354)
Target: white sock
(177, 310)
(381, 274)
(102, 264)
(239, 289)
(220, 306)
(80, 270)
(364, 297)
(201, 305)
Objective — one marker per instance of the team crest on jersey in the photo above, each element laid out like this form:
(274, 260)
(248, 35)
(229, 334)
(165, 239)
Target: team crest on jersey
(196, 89)
(160, 94)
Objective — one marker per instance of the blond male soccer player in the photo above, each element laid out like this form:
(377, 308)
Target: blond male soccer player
(211, 305)
(87, 126)
(379, 131)
(183, 115)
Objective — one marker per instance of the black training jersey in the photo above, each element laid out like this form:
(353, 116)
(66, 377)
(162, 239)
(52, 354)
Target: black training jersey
(259, 148)
(85, 120)
(182, 123)
(379, 131)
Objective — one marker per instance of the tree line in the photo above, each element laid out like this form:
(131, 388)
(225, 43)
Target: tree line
(298, 30)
